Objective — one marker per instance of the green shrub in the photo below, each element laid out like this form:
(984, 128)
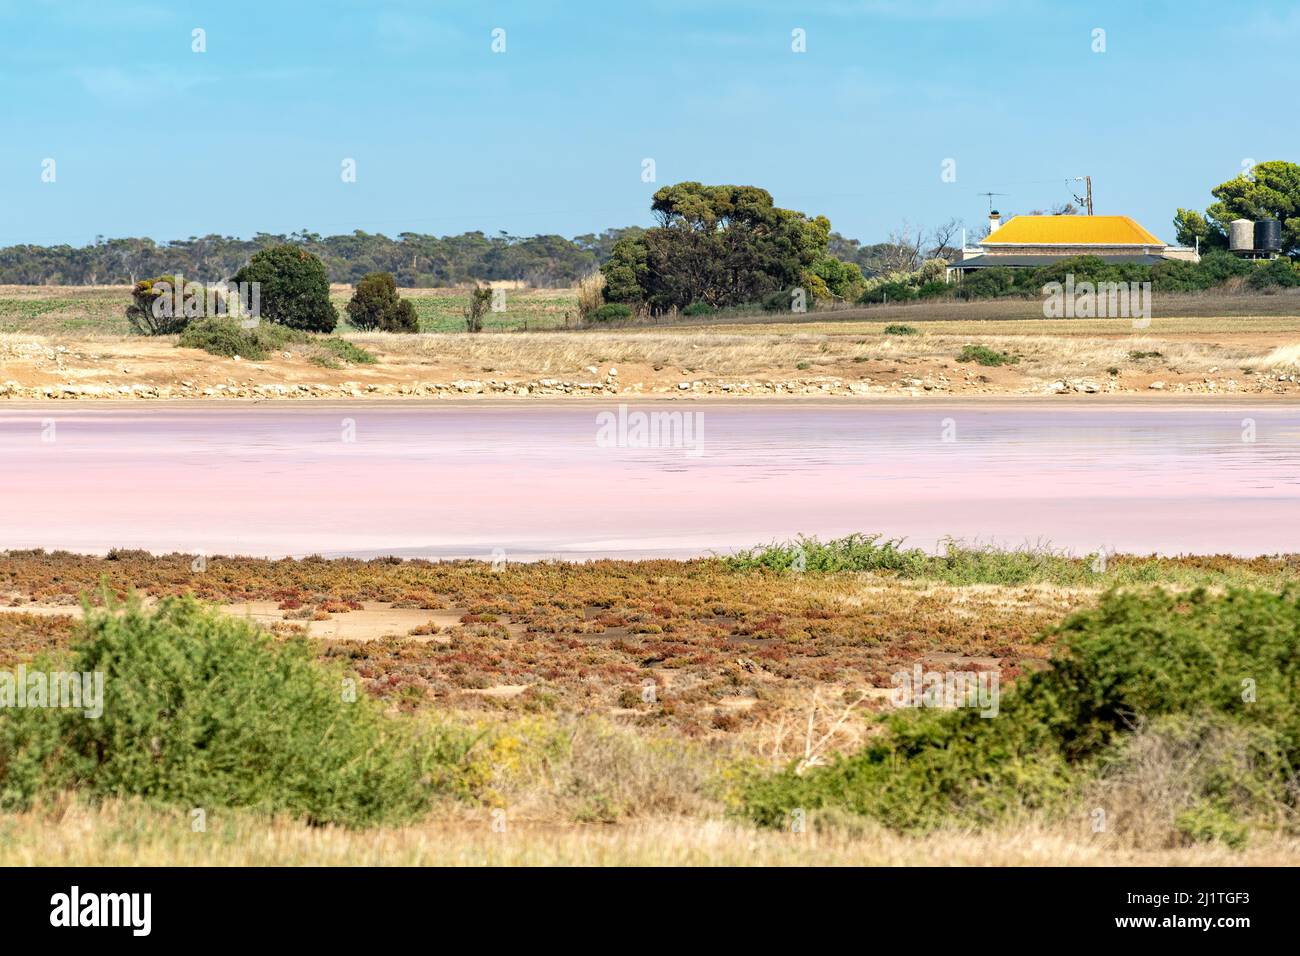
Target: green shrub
(960, 563)
(957, 564)
(1219, 265)
(202, 709)
(888, 292)
(611, 312)
(227, 337)
(1179, 275)
(1277, 273)
(699, 308)
(295, 289)
(344, 350)
(897, 329)
(855, 552)
(778, 301)
(987, 283)
(934, 289)
(376, 305)
(986, 356)
(1151, 657)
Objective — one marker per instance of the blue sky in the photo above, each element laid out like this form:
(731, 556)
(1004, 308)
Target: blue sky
(150, 138)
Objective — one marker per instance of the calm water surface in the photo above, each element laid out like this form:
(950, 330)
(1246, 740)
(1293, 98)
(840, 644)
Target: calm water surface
(457, 481)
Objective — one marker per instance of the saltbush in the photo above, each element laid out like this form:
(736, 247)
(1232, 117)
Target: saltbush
(227, 337)
(202, 709)
(1137, 658)
(986, 356)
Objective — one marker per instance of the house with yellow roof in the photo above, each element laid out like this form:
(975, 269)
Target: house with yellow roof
(1029, 242)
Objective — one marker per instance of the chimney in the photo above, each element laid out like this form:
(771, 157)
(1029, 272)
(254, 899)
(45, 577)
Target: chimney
(995, 221)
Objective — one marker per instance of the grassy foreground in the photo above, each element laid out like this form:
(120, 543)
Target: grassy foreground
(125, 833)
(716, 711)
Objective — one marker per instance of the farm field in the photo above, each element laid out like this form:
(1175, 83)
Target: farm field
(617, 709)
(101, 310)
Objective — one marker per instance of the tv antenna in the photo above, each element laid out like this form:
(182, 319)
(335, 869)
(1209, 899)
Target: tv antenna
(1086, 199)
(991, 195)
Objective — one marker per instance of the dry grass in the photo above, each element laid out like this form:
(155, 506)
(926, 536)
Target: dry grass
(740, 353)
(1163, 771)
(1282, 357)
(130, 834)
(873, 322)
(591, 293)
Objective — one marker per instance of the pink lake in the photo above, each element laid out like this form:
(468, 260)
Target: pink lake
(531, 481)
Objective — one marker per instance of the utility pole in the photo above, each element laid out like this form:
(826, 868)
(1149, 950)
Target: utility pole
(1086, 198)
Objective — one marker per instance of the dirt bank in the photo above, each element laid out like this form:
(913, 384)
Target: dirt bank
(848, 363)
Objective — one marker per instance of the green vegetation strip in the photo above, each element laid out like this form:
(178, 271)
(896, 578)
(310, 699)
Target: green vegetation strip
(1206, 684)
(205, 710)
(227, 337)
(961, 564)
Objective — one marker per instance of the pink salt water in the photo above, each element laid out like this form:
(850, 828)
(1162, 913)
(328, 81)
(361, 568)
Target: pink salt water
(521, 482)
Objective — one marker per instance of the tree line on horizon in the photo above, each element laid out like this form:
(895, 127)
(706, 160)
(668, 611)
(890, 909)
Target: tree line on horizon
(711, 245)
(416, 260)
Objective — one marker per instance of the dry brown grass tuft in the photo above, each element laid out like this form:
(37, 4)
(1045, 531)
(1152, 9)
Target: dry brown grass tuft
(591, 293)
(131, 834)
(1165, 773)
(1284, 356)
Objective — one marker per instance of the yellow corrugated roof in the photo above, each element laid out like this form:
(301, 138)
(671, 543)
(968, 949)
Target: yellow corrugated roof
(1072, 231)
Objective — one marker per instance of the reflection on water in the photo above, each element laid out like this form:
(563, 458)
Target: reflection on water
(462, 481)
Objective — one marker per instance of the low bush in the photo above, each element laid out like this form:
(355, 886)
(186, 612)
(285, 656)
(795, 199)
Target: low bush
(991, 283)
(888, 292)
(201, 709)
(986, 356)
(1276, 274)
(957, 563)
(699, 308)
(897, 329)
(335, 350)
(611, 312)
(1188, 664)
(227, 337)
(778, 301)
